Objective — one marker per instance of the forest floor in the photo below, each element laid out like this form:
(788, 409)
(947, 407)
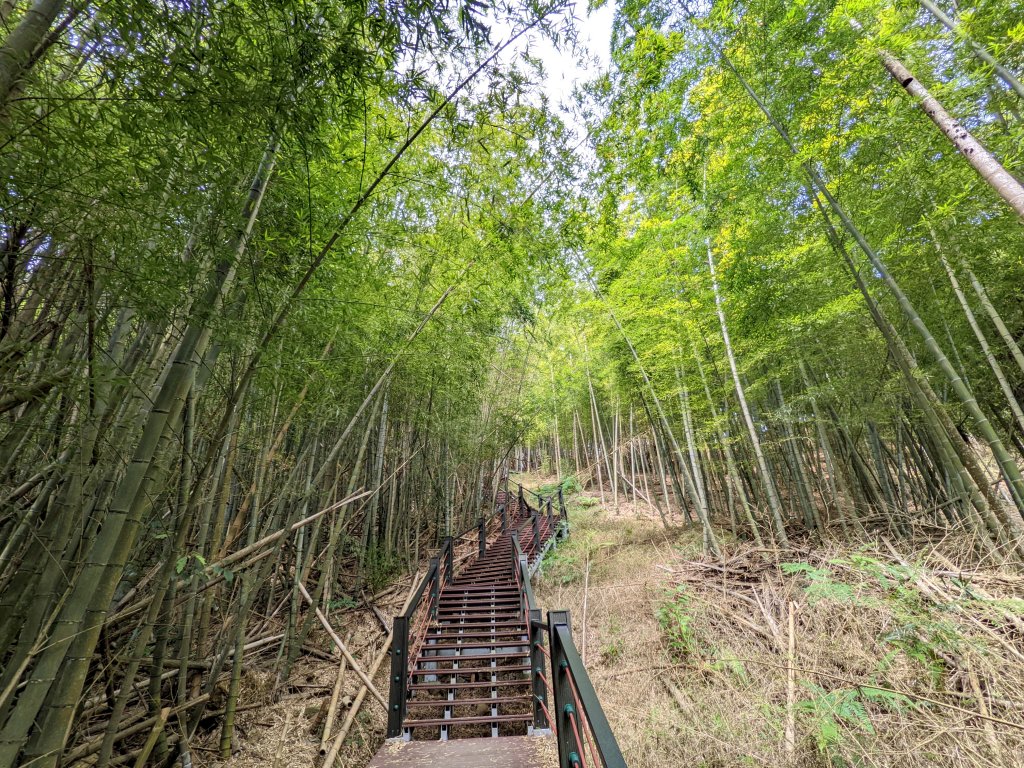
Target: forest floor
(282, 728)
(897, 659)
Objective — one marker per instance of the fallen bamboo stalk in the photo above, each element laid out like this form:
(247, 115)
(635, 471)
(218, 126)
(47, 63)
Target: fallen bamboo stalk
(332, 708)
(284, 738)
(94, 746)
(344, 650)
(158, 728)
(340, 738)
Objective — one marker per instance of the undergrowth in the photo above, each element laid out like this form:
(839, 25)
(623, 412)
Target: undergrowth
(689, 654)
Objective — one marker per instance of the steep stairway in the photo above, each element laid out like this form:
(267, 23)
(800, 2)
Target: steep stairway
(471, 680)
(472, 672)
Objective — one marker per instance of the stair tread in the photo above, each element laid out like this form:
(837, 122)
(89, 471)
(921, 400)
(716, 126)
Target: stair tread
(425, 703)
(469, 720)
(515, 682)
(452, 672)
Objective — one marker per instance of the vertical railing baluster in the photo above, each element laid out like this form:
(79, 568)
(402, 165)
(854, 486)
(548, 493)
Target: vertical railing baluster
(562, 511)
(399, 676)
(449, 562)
(540, 696)
(483, 536)
(568, 749)
(435, 586)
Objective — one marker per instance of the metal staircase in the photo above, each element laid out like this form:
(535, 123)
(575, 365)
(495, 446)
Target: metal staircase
(468, 659)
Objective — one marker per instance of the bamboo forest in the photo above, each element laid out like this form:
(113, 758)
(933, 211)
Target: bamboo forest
(511, 382)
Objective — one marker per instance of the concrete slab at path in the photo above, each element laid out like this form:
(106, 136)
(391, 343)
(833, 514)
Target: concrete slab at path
(504, 752)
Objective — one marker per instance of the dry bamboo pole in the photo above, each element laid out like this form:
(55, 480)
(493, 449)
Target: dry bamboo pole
(615, 457)
(342, 647)
(332, 754)
(154, 735)
(332, 709)
(791, 684)
(984, 162)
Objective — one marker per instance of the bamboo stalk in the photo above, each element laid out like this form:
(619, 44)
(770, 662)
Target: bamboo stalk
(343, 648)
(158, 728)
(385, 651)
(791, 685)
(332, 708)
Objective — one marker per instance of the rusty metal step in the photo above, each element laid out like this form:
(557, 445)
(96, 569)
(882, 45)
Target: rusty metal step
(457, 646)
(498, 637)
(483, 625)
(427, 703)
(452, 615)
(450, 672)
(515, 682)
(472, 657)
(485, 601)
(448, 722)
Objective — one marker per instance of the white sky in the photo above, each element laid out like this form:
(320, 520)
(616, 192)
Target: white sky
(564, 68)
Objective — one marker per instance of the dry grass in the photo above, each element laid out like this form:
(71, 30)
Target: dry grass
(706, 684)
(689, 654)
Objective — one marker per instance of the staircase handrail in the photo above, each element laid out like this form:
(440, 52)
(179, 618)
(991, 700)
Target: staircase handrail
(403, 652)
(581, 722)
(580, 725)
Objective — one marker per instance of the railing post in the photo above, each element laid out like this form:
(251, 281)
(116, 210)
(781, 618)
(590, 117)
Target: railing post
(551, 514)
(435, 586)
(522, 502)
(536, 531)
(568, 749)
(399, 676)
(540, 694)
(563, 513)
(504, 514)
(449, 561)
(483, 536)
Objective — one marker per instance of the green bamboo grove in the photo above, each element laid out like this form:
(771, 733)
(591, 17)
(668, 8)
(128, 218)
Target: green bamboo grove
(800, 315)
(288, 287)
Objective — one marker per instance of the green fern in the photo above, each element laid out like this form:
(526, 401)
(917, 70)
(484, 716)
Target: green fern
(675, 623)
(821, 586)
(829, 711)
(890, 701)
